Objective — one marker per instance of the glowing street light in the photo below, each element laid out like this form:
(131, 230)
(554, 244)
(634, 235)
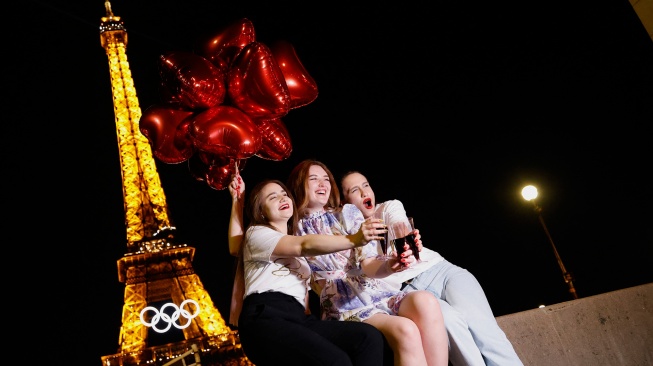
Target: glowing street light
(530, 194)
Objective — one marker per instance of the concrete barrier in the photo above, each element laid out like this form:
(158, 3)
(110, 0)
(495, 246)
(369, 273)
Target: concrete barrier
(615, 328)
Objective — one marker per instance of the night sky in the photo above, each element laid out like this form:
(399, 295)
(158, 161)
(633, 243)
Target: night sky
(474, 100)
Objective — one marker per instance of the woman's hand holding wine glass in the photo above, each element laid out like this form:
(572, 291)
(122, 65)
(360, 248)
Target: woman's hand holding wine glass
(402, 237)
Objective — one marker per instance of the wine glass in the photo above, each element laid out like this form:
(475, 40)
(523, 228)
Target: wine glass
(404, 233)
(410, 239)
(380, 213)
(397, 236)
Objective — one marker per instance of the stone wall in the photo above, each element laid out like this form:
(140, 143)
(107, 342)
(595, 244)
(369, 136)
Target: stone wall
(615, 328)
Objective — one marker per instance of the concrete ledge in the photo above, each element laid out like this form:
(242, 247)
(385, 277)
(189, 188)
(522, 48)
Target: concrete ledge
(615, 328)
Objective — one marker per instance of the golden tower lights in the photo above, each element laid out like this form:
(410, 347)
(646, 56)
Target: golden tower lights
(155, 268)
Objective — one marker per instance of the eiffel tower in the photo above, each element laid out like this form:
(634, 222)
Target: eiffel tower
(157, 270)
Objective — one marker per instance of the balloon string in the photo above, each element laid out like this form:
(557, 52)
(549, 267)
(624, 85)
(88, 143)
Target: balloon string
(237, 174)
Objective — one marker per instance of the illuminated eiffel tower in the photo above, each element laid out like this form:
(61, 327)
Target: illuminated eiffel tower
(157, 271)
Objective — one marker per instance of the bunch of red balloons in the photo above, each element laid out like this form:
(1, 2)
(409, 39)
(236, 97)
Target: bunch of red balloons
(224, 106)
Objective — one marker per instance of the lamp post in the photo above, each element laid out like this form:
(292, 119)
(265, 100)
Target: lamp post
(530, 193)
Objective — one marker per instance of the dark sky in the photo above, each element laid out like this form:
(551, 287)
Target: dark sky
(476, 100)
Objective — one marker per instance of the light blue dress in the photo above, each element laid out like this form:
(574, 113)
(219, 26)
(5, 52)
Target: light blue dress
(345, 292)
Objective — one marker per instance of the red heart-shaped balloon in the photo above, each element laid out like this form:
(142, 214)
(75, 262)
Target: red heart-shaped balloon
(210, 159)
(256, 85)
(225, 131)
(166, 129)
(227, 44)
(191, 81)
(301, 86)
(276, 140)
(219, 177)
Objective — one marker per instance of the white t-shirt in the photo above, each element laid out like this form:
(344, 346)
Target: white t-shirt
(265, 272)
(394, 212)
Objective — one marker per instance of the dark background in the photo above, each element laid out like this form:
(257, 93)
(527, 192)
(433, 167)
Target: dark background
(476, 98)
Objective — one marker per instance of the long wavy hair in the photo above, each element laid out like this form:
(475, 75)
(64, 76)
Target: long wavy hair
(254, 208)
(298, 184)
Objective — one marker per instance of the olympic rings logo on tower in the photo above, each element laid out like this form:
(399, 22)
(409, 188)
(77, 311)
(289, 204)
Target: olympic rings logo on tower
(170, 319)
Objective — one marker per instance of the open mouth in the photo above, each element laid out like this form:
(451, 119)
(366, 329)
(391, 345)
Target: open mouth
(284, 207)
(367, 203)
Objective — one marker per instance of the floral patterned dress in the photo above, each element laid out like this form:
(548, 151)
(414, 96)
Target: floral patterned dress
(345, 292)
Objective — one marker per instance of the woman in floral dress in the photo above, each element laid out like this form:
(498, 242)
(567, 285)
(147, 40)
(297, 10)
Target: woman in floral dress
(347, 281)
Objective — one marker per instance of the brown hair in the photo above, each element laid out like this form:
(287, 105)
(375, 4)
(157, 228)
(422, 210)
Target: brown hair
(255, 206)
(298, 183)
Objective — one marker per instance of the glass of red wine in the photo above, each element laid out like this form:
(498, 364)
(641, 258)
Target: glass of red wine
(404, 233)
(397, 237)
(410, 239)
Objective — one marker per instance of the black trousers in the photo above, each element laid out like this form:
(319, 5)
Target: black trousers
(274, 330)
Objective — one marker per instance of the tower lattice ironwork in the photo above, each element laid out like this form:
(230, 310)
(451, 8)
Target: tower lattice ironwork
(156, 268)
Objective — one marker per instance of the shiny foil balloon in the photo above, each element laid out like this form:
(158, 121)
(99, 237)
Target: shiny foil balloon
(226, 105)
(225, 131)
(191, 81)
(227, 44)
(256, 85)
(210, 159)
(219, 177)
(276, 140)
(301, 86)
(166, 129)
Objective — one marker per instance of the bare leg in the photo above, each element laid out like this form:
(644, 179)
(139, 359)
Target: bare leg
(424, 309)
(403, 337)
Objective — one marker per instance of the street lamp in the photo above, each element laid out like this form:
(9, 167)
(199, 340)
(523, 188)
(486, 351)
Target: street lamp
(530, 193)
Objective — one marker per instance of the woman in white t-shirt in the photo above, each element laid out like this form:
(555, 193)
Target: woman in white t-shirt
(274, 324)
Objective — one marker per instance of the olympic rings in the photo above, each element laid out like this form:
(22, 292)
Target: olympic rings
(171, 320)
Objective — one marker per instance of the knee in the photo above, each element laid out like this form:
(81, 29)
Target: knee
(426, 300)
(428, 308)
(406, 331)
